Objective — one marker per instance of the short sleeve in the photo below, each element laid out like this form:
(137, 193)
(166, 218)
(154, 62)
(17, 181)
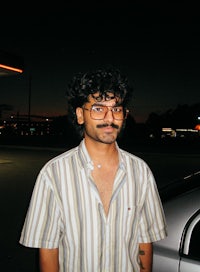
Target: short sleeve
(152, 222)
(43, 225)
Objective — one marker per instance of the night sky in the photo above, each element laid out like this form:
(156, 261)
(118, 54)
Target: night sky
(157, 48)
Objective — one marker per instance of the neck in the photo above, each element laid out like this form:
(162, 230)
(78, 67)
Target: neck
(101, 153)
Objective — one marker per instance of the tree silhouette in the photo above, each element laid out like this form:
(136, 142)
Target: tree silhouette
(183, 116)
(5, 107)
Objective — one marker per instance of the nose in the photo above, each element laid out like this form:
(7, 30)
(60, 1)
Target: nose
(109, 116)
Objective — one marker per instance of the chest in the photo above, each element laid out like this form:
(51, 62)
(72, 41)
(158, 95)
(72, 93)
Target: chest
(104, 180)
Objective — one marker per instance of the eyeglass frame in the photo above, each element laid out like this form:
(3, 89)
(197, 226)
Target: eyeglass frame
(108, 108)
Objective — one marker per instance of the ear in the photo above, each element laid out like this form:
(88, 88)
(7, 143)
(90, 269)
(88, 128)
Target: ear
(79, 116)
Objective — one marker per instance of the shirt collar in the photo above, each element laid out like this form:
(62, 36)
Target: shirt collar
(86, 161)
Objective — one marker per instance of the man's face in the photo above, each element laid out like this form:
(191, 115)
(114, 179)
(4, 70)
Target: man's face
(105, 130)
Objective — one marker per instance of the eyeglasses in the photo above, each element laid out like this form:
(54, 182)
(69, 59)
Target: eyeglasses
(98, 112)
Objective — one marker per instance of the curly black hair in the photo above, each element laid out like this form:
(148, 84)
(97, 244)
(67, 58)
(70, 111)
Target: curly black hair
(101, 81)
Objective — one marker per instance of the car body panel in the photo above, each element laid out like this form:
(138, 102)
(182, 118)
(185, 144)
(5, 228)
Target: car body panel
(182, 213)
(188, 265)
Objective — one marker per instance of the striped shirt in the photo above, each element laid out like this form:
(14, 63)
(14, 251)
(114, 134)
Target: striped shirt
(66, 212)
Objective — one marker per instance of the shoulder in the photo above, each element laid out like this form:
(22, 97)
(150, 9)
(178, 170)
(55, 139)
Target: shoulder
(136, 164)
(60, 159)
(130, 157)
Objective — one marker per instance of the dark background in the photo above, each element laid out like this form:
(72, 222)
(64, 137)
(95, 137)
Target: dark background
(156, 44)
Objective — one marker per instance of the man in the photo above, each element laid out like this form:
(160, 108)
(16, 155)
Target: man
(95, 207)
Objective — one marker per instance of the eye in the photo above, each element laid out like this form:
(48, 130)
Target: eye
(98, 109)
(117, 109)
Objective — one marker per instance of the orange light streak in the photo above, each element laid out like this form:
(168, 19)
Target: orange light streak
(11, 68)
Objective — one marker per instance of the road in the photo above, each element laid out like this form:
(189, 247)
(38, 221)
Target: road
(19, 169)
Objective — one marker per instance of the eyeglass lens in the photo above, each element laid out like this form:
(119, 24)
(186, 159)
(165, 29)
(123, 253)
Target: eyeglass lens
(99, 112)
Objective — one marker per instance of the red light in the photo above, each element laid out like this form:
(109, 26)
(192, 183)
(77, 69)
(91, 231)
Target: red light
(197, 127)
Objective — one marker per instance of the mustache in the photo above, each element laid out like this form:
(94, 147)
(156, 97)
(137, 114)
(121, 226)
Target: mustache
(107, 125)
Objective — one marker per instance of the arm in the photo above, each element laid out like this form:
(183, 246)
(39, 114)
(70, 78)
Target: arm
(146, 257)
(48, 259)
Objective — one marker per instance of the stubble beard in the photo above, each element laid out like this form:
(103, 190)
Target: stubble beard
(105, 138)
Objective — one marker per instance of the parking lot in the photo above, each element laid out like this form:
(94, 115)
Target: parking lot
(19, 169)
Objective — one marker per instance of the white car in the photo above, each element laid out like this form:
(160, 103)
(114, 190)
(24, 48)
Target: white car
(180, 251)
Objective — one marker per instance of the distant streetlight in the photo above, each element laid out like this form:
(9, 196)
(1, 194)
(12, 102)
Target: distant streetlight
(29, 100)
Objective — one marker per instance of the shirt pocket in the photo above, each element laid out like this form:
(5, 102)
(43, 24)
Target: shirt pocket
(131, 220)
